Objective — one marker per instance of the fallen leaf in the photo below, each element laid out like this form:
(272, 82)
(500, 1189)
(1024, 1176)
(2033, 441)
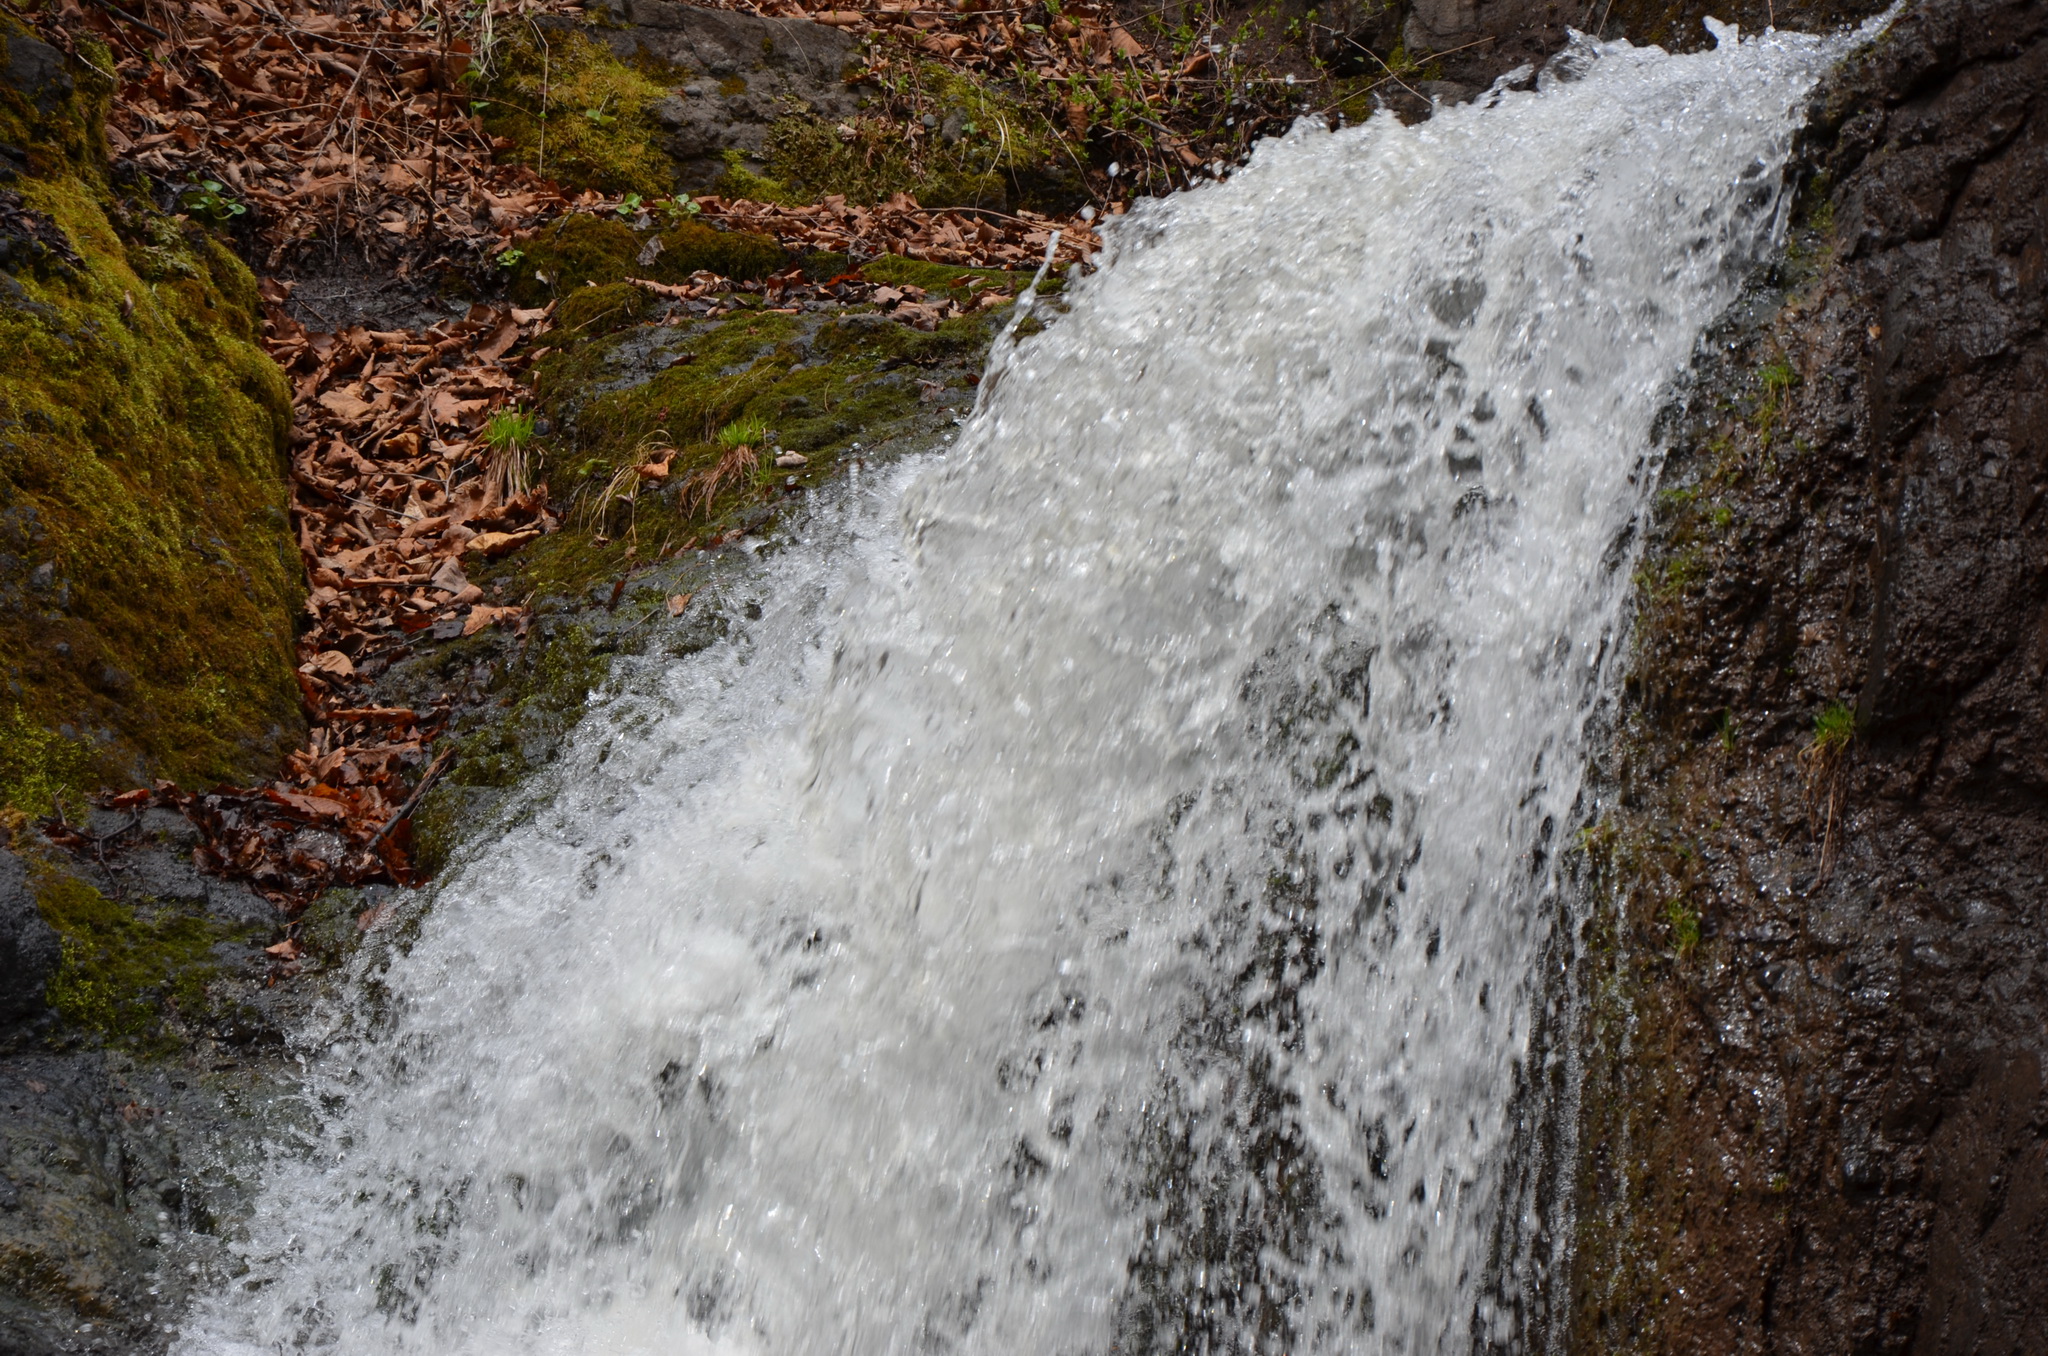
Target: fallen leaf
(481, 616)
(331, 662)
(678, 602)
(346, 406)
(491, 545)
(288, 949)
(449, 578)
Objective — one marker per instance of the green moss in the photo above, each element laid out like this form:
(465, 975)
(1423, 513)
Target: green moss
(1667, 578)
(817, 385)
(960, 283)
(1005, 154)
(1684, 921)
(740, 255)
(125, 969)
(39, 766)
(576, 112)
(146, 559)
(599, 310)
(573, 252)
(578, 250)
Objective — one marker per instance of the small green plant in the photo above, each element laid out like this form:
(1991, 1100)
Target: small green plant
(507, 427)
(507, 435)
(205, 198)
(510, 258)
(1684, 921)
(1725, 731)
(630, 206)
(1776, 381)
(743, 433)
(1833, 728)
(1824, 757)
(599, 116)
(682, 207)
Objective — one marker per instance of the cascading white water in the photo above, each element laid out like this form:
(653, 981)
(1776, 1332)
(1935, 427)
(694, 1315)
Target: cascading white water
(1094, 907)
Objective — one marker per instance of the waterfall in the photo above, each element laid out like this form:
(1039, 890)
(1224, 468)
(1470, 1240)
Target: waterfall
(1091, 901)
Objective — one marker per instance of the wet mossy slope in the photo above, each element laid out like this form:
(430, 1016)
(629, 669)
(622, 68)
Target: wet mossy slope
(148, 573)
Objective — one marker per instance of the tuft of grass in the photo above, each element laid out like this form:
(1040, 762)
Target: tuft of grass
(1824, 756)
(743, 433)
(1834, 727)
(1775, 380)
(507, 435)
(1684, 921)
(509, 427)
(735, 467)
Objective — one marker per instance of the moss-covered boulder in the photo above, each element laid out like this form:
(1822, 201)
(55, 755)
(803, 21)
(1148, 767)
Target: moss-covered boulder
(575, 112)
(148, 572)
(580, 250)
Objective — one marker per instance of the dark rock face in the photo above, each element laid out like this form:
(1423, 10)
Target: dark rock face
(1814, 1115)
(749, 70)
(28, 946)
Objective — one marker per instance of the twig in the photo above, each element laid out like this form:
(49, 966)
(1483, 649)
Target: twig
(434, 771)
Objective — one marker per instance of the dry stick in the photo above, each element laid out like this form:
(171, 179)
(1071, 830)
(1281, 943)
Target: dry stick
(434, 771)
(545, 53)
(440, 106)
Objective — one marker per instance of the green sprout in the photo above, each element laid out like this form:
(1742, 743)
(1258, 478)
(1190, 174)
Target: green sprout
(204, 198)
(743, 433)
(510, 258)
(1833, 728)
(1684, 921)
(509, 427)
(629, 206)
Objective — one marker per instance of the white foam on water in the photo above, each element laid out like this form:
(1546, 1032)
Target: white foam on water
(1096, 905)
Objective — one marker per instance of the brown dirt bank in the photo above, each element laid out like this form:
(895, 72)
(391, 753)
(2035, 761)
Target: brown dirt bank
(1812, 1116)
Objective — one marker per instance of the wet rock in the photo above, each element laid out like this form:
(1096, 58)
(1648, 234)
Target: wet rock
(1858, 494)
(28, 946)
(745, 71)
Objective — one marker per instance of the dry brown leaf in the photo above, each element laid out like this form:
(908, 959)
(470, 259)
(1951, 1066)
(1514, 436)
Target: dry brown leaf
(495, 544)
(481, 616)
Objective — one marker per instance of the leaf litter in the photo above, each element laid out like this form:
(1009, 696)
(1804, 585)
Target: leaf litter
(349, 122)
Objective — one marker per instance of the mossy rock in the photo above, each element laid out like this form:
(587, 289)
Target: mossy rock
(125, 969)
(575, 112)
(149, 577)
(741, 255)
(572, 253)
(962, 284)
(990, 149)
(581, 249)
(818, 383)
(591, 311)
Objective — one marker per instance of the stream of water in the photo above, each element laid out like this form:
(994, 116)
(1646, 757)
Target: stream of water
(1096, 905)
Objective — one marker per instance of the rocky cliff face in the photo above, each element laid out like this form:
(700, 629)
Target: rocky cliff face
(1814, 1116)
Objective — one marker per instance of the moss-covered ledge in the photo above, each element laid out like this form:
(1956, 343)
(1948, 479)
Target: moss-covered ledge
(148, 572)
